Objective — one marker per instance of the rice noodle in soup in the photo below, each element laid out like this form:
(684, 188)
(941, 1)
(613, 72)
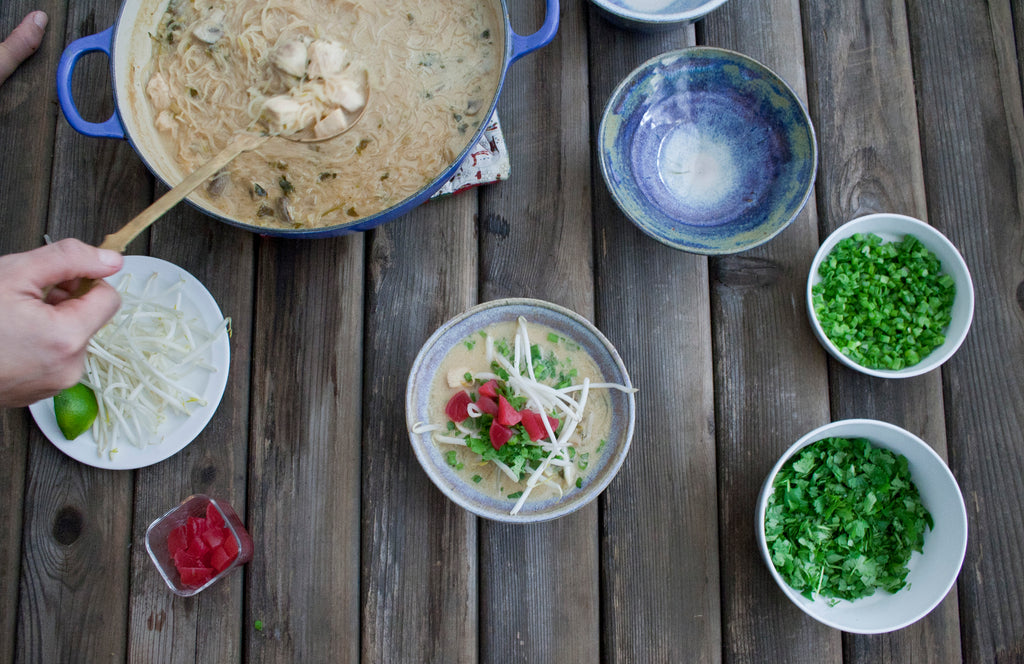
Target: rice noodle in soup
(433, 69)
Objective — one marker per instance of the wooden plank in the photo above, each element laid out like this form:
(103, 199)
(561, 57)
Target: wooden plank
(766, 357)
(303, 497)
(863, 96)
(419, 583)
(659, 548)
(163, 628)
(970, 109)
(539, 584)
(27, 124)
(77, 522)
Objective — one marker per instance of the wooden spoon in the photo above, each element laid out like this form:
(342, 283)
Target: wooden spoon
(120, 240)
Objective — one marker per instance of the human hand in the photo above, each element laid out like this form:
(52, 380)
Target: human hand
(44, 334)
(22, 42)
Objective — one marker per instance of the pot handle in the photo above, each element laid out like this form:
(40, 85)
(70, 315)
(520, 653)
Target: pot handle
(101, 41)
(522, 45)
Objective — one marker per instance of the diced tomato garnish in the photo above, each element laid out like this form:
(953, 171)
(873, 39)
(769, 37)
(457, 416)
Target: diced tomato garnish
(177, 540)
(214, 536)
(507, 415)
(185, 559)
(194, 527)
(220, 559)
(487, 405)
(213, 517)
(193, 577)
(230, 545)
(456, 410)
(499, 435)
(489, 389)
(534, 425)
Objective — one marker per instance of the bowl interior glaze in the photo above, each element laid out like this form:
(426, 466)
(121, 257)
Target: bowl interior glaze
(707, 151)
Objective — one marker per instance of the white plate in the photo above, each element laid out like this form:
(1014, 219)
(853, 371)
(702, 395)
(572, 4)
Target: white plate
(179, 430)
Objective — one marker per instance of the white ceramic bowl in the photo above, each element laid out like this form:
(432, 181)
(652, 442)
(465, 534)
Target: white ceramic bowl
(893, 227)
(932, 573)
(655, 15)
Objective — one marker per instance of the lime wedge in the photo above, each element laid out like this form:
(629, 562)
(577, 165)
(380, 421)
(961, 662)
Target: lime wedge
(76, 409)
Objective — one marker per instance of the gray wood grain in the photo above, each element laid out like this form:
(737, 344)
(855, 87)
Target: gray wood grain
(27, 121)
(970, 110)
(75, 564)
(539, 584)
(214, 464)
(419, 579)
(659, 549)
(863, 93)
(304, 474)
(764, 346)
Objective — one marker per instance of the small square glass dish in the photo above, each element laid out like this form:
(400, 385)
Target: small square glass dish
(197, 543)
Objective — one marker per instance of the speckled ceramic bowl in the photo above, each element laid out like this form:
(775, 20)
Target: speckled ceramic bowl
(707, 151)
(573, 327)
(655, 15)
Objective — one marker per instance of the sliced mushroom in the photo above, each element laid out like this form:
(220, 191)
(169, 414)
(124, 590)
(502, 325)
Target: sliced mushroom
(218, 183)
(284, 210)
(211, 28)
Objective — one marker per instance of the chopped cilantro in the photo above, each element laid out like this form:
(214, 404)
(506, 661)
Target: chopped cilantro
(477, 479)
(843, 519)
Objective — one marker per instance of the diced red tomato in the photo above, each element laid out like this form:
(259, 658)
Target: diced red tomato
(214, 536)
(177, 540)
(487, 405)
(220, 559)
(534, 425)
(203, 546)
(457, 410)
(507, 415)
(194, 527)
(499, 435)
(193, 577)
(230, 545)
(186, 559)
(213, 517)
(489, 389)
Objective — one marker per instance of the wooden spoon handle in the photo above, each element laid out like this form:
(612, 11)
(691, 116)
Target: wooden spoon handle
(119, 240)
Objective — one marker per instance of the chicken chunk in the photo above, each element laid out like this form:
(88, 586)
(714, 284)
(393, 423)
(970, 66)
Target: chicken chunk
(165, 122)
(333, 123)
(326, 58)
(345, 92)
(291, 57)
(159, 92)
(284, 115)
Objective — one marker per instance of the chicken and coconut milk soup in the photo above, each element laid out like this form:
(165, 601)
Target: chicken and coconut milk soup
(520, 411)
(430, 69)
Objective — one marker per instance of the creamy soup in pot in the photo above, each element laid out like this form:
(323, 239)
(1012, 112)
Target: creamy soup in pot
(431, 72)
(487, 408)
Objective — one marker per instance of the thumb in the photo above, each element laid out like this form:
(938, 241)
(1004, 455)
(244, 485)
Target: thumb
(67, 260)
(21, 43)
(83, 316)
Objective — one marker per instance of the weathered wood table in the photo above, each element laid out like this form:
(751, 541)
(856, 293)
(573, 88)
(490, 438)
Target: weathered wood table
(918, 110)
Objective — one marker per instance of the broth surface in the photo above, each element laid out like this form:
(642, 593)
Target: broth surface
(433, 70)
(590, 436)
